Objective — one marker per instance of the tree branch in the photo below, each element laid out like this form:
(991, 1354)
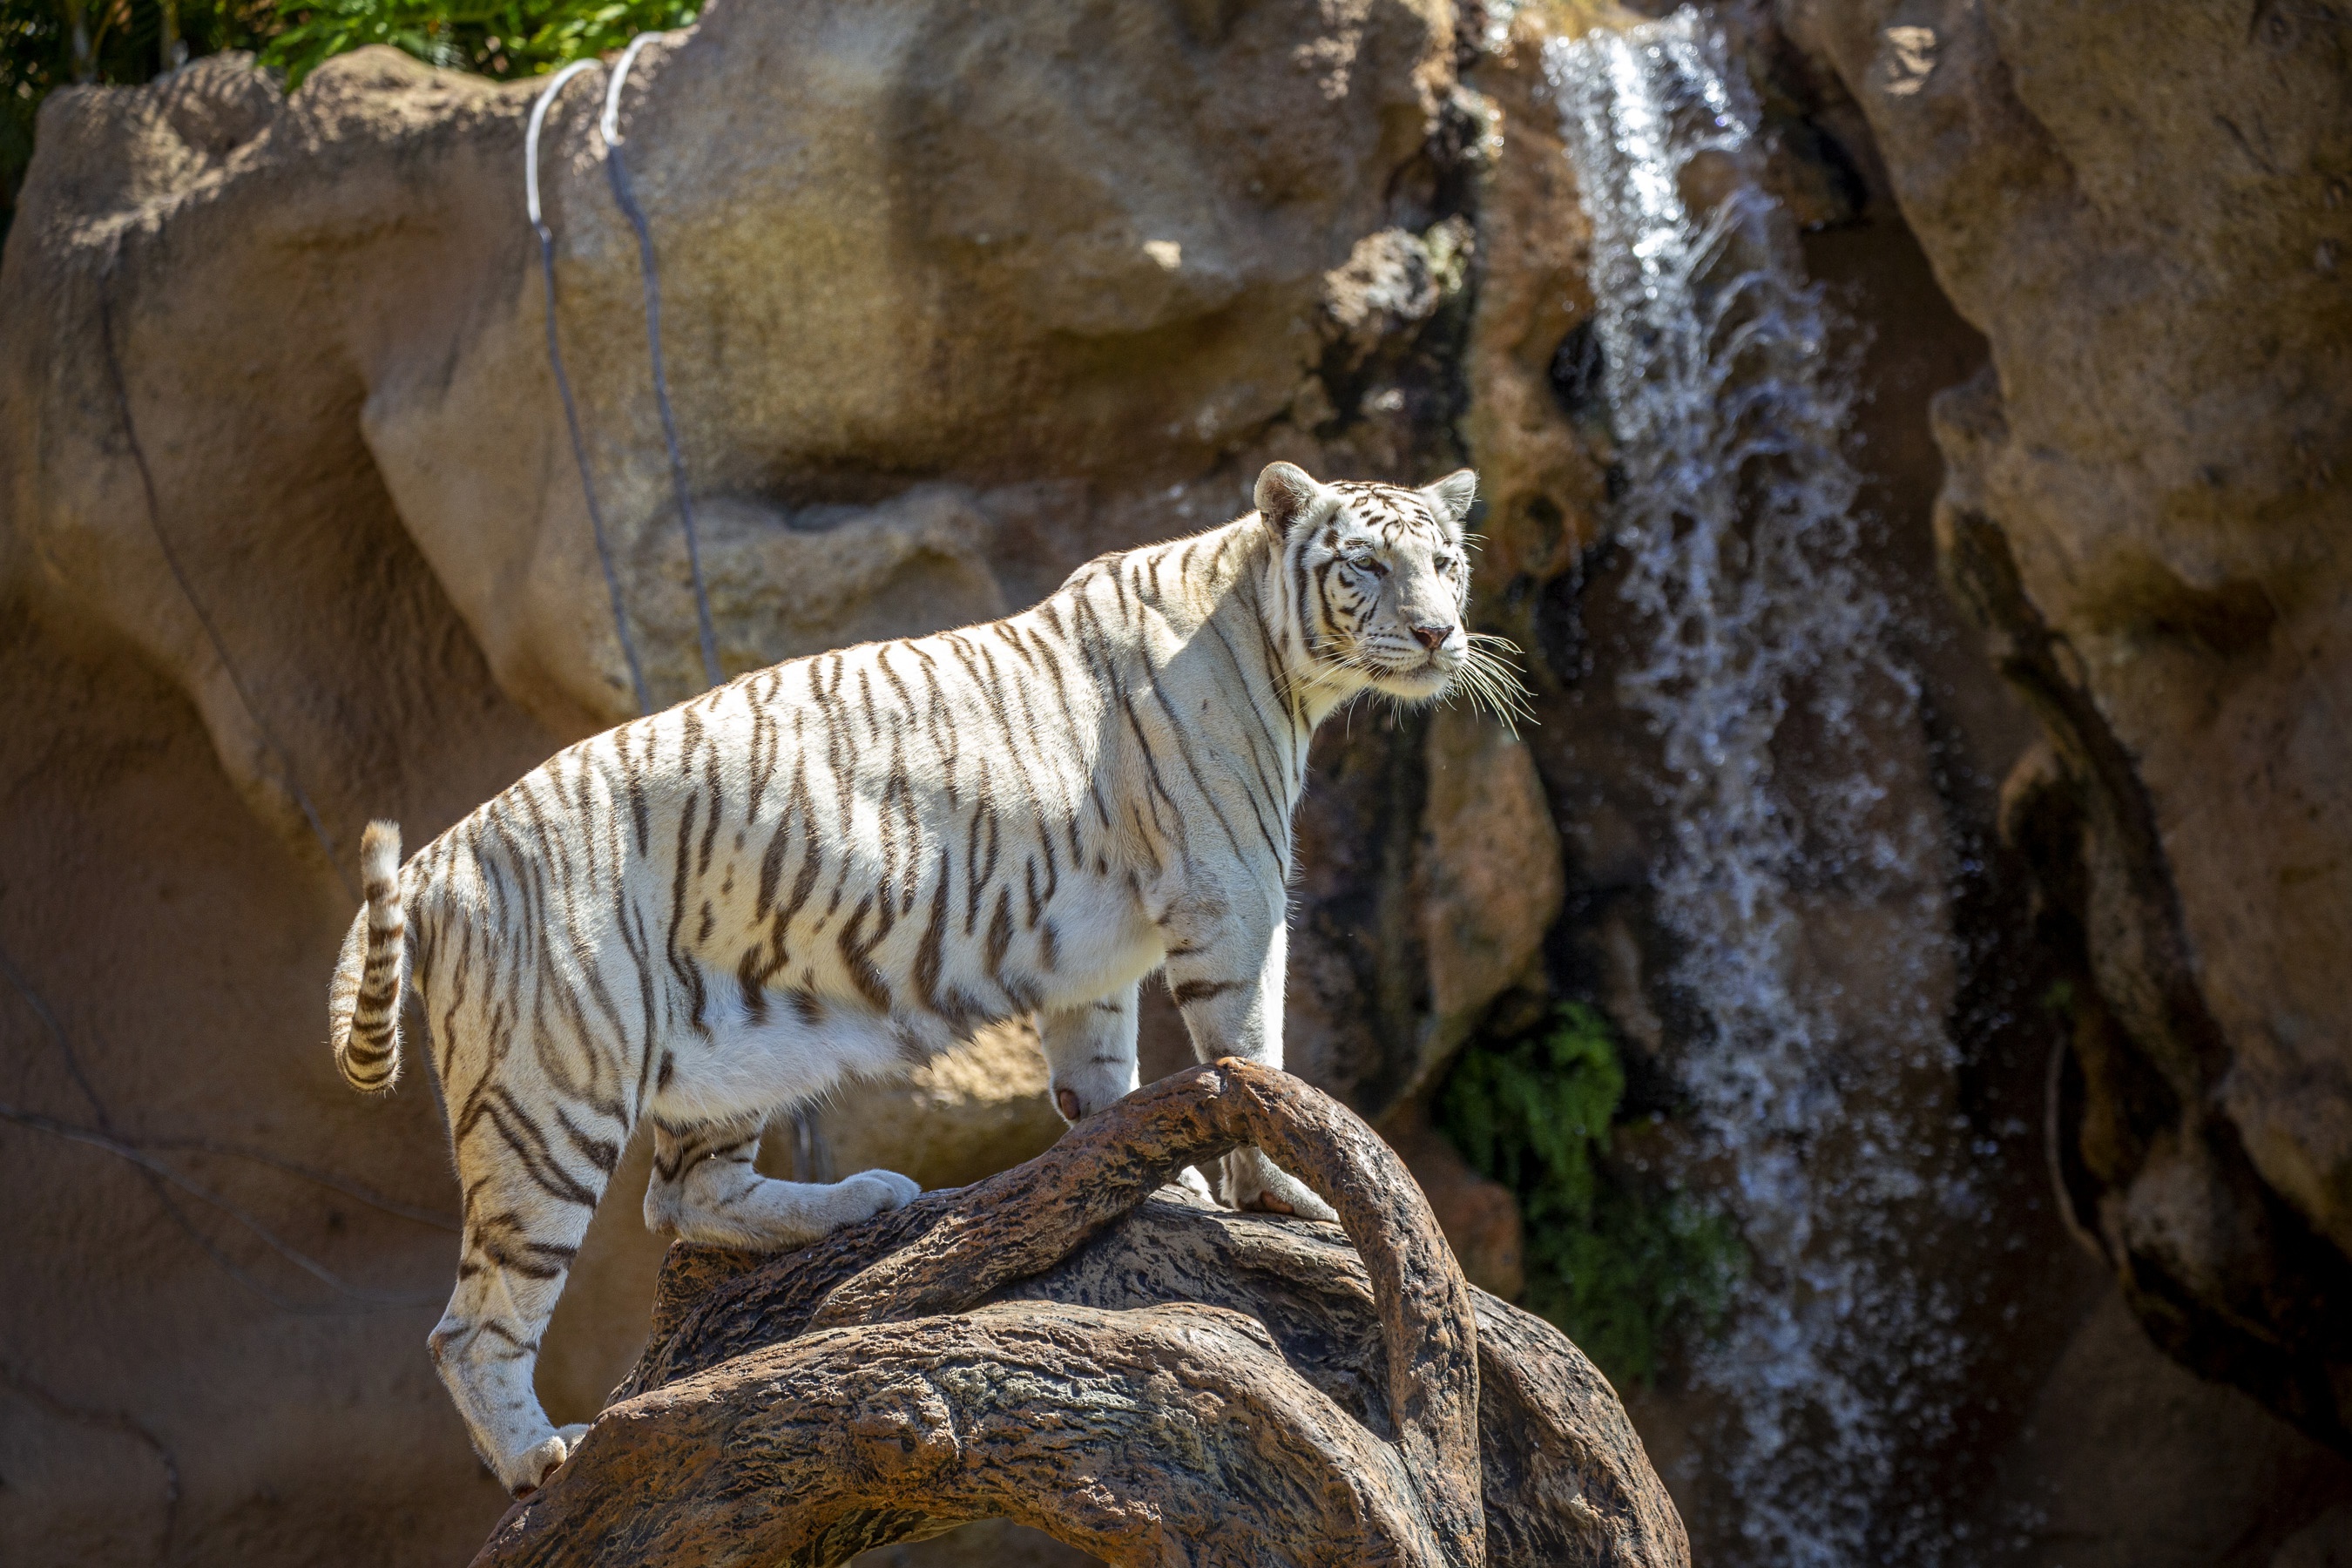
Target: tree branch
(1149, 1380)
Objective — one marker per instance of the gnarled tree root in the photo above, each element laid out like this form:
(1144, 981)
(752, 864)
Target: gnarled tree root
(1146, 1379)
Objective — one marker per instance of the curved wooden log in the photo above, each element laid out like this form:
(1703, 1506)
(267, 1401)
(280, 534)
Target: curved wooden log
(1566, 1480)
(1315, 1401)
(1175, 1434)
(1032, 1217)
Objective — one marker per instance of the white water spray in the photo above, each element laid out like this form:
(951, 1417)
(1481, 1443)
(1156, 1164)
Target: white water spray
(1740, 540)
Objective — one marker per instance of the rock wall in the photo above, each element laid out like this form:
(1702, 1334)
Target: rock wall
(291, 535)
(2145, 212)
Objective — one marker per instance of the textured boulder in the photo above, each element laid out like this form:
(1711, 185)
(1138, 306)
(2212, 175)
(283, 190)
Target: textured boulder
(1493, 882)
(2147, 212)
(920, 242)
(1541, 478)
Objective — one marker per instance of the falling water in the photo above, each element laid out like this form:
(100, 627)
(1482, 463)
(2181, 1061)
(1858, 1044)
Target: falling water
(1739, 534)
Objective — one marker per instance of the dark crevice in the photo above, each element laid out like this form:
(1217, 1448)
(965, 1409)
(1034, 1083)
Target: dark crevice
(2131, 1097)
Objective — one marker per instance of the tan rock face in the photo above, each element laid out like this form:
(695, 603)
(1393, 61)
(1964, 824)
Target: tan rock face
(966, 1115)
(1538, 471)
(2147, 216)
(1493, 878)
(953, 298)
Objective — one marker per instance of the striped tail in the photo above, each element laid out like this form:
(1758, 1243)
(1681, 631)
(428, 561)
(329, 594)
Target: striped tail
(363, 1004)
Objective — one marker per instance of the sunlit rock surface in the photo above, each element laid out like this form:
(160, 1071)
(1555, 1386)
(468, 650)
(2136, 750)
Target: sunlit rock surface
(2147, 212)
(952, 299)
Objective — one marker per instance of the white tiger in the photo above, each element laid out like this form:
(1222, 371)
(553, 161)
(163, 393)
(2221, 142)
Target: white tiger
(842, 864)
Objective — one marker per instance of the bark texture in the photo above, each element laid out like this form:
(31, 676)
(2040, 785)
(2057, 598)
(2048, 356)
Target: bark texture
(1148, 1379)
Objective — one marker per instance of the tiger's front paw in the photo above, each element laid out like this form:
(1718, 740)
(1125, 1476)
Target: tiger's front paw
(1254, 1182)
(529, 1470)
(870, 1192)
(1191, 1186)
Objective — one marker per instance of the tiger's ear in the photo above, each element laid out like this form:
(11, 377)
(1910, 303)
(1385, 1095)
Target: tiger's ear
(1449, 499)
(1287, 498)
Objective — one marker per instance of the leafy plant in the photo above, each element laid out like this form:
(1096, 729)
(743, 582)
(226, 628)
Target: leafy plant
(1621, 1264)
(48, 43)
(493, 37)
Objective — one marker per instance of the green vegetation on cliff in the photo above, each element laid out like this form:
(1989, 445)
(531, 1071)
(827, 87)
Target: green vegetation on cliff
(48, 43)
(1621, 1265)
(520, 38)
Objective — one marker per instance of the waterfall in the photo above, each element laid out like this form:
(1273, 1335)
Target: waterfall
(1739, 537)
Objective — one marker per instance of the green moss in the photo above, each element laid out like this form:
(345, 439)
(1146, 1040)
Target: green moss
(127, 43)
(1620, 1263)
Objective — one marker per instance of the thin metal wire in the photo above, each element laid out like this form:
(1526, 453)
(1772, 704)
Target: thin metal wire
(616, 171)
(180, 575)
(564, 383)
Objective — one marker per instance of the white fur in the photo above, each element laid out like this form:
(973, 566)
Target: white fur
(844, 864)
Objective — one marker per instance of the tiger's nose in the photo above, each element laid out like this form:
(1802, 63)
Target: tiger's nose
(1433, 638)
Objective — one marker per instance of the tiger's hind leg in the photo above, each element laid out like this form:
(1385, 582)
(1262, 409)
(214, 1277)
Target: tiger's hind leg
(529, 1190)
(705, 1188)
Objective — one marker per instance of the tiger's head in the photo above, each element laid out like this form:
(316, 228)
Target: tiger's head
(1378, 577)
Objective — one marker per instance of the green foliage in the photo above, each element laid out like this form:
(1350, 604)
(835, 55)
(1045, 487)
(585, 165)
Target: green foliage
(120, 41)
(1621, 1265)
(1531, 1114)
(492, 38)
(128, 42)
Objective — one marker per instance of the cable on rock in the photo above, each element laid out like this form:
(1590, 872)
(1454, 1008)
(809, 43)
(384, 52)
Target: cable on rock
(616, 171)
(539, 109)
